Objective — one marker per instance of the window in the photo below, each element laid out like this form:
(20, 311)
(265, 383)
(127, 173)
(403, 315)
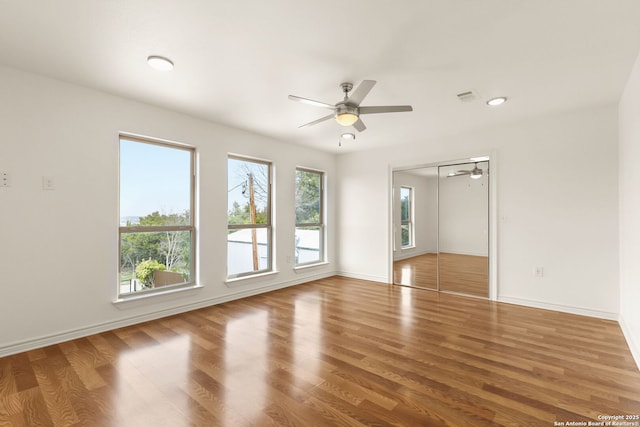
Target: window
(157, 235)
(249, 227)
(406, 216)
(309, 217)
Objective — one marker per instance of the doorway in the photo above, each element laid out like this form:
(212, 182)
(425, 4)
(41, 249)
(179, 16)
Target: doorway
(441, 227)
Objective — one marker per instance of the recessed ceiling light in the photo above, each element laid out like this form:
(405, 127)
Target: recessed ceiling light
(494, 102)
(160, 63)
(348, 135)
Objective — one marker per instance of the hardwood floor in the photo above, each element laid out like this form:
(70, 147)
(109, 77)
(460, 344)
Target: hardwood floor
(420, 271)
(335, 351)
(465, 274)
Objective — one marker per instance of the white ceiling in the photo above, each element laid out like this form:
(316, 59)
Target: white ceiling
(236, 61)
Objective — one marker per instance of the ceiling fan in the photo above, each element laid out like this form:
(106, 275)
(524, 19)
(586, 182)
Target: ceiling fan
(475, 173)
(347, 112)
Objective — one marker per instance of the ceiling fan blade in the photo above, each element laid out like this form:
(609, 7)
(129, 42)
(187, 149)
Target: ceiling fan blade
(359, 125)
(312, 102)
(385, 109)
(458, 173)
(361, 91)
(315, 122)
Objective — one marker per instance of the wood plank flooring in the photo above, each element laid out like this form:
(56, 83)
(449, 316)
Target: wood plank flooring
(336, 351)
(465, 274)
(420, 271)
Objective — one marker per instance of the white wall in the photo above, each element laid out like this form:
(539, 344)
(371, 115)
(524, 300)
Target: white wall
(464, 212)
(58, 251)
(425, 213)
(630, 211)
(555, 211)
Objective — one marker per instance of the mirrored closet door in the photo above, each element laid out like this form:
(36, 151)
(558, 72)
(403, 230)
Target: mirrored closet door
(415, 218)
(441, 227)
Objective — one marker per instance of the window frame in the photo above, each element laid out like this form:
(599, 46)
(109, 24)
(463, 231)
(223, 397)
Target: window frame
(268, 225)
(410, 221)
(321, 224)
(152, 229)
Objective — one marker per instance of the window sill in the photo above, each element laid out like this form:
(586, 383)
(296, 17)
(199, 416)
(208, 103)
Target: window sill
(145, 295)
(307, 266)
(240, 279)
(404, 248)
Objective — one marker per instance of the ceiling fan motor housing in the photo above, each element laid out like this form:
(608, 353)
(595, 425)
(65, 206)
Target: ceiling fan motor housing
(343, 108)
(346, 114)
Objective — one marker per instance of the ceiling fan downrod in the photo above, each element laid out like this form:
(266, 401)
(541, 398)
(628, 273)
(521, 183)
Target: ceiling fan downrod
(346, 88)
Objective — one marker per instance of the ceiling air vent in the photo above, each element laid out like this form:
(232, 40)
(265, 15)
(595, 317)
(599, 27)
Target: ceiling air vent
(467, 96)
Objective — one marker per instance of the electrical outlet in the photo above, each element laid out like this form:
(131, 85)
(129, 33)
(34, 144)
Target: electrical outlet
(47, 183)
(538, 271)
(5, 179)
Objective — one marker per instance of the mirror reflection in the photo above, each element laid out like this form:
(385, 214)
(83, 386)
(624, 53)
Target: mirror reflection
(416, 227)
(463, 228)
(441, 232)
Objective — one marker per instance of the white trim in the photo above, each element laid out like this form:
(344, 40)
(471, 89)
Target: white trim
(360, 276)
(559, 307)
(634, 346)
(408, 247)
(391, 235)
(142, 138)
(492, 158)
(57, 338)
(299, 268)
(414, 254)
(493, 225)
(233, 280)
(443, 251)
(142, 295)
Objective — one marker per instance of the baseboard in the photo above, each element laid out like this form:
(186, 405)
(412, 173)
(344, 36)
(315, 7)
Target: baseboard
(558, 307)
(363, 277)
(412, 255)
(634, 345)
(484, 254)
(31, 344)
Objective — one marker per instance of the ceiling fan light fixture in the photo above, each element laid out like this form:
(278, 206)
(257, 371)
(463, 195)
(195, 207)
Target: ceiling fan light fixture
(160, 63)
(348, 135)
(346, 118)
(346, 115)
(494, 102)
(476, 174)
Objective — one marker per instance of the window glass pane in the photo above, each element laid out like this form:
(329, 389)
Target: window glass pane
(247, 250)
(308, 244)
(155, 180)
(142, 255)
(406, 234)
(156, 190)
(405, 204)
(248, 204)
(307, 197)
(247, 181)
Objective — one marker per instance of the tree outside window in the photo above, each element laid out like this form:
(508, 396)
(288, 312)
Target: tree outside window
(156, 225)
(406, 216)
(309, 235)
(248, 217)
